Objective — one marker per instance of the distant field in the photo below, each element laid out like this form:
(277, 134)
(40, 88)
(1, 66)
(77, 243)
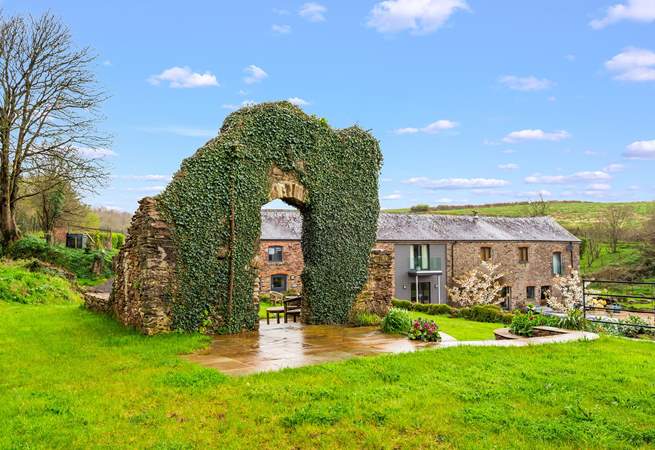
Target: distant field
(572, 215)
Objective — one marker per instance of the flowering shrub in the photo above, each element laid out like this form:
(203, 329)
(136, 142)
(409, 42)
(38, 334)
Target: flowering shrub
(424, 330)
(632, 327)
(570, 289)
(478, 287)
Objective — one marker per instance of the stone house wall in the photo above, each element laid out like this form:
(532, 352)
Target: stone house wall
(291, 264)
(465, 256)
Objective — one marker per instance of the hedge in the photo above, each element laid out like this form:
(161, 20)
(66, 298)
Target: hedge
(478, 313)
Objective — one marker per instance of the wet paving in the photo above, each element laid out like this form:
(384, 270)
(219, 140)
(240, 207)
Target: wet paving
(277, 346)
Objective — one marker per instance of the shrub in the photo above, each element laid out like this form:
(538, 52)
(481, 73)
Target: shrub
(478, 313)
(74, 260)
(523, 324)
(397, 321)
(403, 304)
(29, 283)
(424, 330)
(631, 327)
(364, 319)
(574, 320)
(264, 298)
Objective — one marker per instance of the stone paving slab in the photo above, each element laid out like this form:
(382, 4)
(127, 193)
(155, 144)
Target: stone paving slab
(279, 346)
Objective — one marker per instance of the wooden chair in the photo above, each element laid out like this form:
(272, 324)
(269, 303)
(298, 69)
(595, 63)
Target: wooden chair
(292, 307)
(276, 297)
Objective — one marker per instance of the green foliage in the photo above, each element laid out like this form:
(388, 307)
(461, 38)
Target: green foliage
(214, 204)
(523, 323)
(397, 321)
(77, 261)
(424, 330)
(574, 320)
(478, 313)
(420, 208)
(365, 319)
(29, 283)
(632, 327)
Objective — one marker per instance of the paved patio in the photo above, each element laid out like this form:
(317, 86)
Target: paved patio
(277, 346)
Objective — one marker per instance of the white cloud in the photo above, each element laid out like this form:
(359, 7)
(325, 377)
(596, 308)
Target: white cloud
(254, 74)
(540, 192)
(97, 152)
(456, 183)
(243, 104)
(432, 128)
(633, 64)
(509, 166)
(612, 168)
(107, 63)
(395, 196)
(181, 131)
(640, 150)
(536, 135)
(298, 101)
(597, 175)
(635, 10)
(183, 77)
(419, 16)
(599, 187)
(445, 200)
(591, 153)
(530, 83)
(314, 12)
(281, 29)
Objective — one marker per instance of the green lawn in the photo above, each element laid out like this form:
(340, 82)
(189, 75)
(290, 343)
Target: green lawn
(73, 379)
(461, 329)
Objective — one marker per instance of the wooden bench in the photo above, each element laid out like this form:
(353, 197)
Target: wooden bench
(292, 307)
(277, 310)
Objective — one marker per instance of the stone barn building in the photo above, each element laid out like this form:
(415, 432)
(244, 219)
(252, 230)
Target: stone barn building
(429, 251)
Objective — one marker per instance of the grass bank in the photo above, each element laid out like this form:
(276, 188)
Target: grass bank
(73, 379)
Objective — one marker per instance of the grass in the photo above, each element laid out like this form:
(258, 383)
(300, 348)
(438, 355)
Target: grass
(73, 379)
(627, 254)
(20, 284)
(573, 215)
(461, 329)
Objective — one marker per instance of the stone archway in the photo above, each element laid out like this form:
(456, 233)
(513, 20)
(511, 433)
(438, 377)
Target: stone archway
(189, 259)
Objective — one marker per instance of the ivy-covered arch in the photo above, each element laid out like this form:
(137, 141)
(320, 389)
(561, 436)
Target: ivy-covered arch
(213, 207)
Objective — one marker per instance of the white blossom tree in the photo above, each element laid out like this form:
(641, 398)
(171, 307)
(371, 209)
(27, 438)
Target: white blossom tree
(480, 286)
(570, 290)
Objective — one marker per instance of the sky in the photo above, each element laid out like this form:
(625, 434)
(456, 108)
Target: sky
(472, 101)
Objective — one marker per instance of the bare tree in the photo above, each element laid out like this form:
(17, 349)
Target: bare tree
(614, 220)
(592, 244)
(538, 207)
(48, 113)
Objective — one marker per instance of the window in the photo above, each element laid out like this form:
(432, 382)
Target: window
(529, 292)
(423, 292)
(545, 292)
(275, 254)
(506, 294)
(557, 263)
(485, 253)
(419, 257)
(278, 283)
(523, 254)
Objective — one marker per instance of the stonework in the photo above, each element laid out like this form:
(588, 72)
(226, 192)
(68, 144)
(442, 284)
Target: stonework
(291, 264)
(377, 293)
(537, 271)
(145, 272)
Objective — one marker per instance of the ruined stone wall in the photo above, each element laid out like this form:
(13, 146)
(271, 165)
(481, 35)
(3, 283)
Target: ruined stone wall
(145, 267)
(376, 295)
(291, 265)
(537, 271)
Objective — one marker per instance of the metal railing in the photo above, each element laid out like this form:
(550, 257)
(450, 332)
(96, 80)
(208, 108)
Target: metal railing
(434, 263)
(614, 306)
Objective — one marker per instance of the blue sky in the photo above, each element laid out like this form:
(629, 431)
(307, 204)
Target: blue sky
(472, 101)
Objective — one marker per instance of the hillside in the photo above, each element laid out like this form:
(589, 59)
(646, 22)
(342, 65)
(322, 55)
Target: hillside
(574, 215)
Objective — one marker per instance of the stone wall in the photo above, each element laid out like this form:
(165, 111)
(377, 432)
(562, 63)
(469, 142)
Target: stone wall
(377, 293)
(144, 269)
(291, 265)
(537, 271)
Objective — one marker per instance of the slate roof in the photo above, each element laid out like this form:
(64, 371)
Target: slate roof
(282, 224)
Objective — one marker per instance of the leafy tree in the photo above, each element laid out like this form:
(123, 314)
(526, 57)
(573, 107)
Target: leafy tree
(614, 221)
(538, 207)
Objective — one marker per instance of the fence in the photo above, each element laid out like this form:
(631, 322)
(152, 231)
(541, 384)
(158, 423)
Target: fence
(618, 303)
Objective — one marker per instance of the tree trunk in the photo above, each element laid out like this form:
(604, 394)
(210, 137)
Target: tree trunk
(8, 230)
